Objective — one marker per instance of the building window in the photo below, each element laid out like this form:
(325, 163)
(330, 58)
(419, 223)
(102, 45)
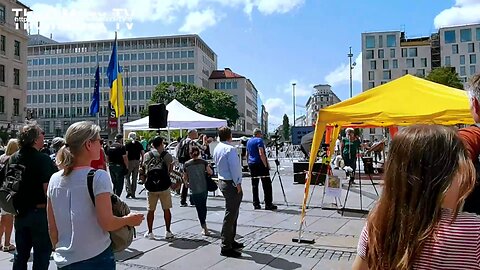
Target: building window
(380, 41)
(16, 76)
(404, 52)
(3, 40)
(381, 54)
(391, 40)
(412, 52)
(2, 13)
(462, 59)
(2, 104)
(465, 35)
(477, 31)
(387, 75)
(471, 47)
(455, 49)
(421, 72)
(423, 62)
(392, 53)
(473, 58)
(472, 70)
(2, 74)
(371, 75)
(394, 63)
(17, 49)
(16, 106)
(449, 36)
(369, 54)
(370, 42)
(371, 85)
(385, 64)
(447, 61)
(462, 71)
(410, 63)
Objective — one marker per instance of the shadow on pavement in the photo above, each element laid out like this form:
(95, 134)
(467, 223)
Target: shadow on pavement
(274, 262)
(184, 243)
(138, 208)
(215, 208)
(128, 254)
(289, 211)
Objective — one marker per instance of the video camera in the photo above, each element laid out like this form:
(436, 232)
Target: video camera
(275, 140)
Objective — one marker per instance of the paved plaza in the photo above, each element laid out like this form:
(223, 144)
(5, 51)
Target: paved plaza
(266, 234)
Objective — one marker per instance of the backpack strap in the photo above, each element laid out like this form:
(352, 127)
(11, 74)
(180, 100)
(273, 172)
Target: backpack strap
(90, 176)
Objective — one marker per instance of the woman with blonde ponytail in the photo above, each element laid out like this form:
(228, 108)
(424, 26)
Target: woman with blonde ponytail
(79, 230)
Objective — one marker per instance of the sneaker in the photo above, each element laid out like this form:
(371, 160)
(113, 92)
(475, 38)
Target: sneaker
(237, 245)
(128, 195)
(150, 236)
(169, 235)
(205, 232)
(257, 207)
(271, 207)
(231, 253)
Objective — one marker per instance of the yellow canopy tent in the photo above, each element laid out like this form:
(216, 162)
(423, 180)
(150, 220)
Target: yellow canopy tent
(405, 101)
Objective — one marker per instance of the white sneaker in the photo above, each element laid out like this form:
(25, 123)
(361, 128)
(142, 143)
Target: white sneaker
(150, 236)
(205, 232)
(169, 235)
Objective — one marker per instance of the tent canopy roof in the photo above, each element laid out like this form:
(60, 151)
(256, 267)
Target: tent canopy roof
(179, 117)
(404, 101)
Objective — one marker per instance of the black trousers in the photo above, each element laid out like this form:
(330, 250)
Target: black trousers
(232, 209)
(258, 169)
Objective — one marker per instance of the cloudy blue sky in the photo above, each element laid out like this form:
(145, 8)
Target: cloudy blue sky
(272, 42)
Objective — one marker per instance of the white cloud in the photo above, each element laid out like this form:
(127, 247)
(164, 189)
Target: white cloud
(301, 90)
(276, 108)
(84, 20)
(463, 12)
(197, 21)
(341, 74)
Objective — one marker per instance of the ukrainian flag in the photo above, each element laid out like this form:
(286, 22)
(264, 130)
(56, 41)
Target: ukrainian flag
(115, 82)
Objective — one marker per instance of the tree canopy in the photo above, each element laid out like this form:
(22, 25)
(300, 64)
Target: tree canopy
(286, 128)
(208, 102)
(446, 76)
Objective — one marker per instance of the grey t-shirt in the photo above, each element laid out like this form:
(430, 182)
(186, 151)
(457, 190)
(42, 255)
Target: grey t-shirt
(195, 169)
(80, 236)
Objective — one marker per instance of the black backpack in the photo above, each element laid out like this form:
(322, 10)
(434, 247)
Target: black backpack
(183, 153)
(11, 176)
(158, 177)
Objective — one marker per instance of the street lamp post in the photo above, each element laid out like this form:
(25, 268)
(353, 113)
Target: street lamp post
(293, 86)
(128, 96)
(350, 55)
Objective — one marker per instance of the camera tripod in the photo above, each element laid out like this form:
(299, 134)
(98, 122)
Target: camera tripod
(277, 173)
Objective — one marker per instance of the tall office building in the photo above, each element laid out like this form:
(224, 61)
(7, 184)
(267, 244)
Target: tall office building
(389, 55)
(61, 75)
(245, 96)
(13, 67)
(321, 98)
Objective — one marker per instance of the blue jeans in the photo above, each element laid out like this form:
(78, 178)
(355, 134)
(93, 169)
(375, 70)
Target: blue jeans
(104, 261)
(200, 201)
(31, 230)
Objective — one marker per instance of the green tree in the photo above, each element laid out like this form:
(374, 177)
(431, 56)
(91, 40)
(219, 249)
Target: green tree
(208, 102)
(286, 128)
(446, 76)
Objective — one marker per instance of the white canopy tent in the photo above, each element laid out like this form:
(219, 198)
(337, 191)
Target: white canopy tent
(179, 117)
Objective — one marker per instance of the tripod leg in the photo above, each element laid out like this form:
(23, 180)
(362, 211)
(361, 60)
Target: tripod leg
(360, 184)
(346, 196)
(283, 190)
(373, 184)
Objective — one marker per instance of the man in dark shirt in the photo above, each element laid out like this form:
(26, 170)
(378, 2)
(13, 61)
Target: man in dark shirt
(31, 227)
(135, 157)
(117, 163)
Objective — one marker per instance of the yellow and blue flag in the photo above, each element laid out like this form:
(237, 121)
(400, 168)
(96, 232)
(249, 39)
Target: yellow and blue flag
(115, 82)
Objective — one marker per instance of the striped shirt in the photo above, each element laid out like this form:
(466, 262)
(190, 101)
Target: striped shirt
(454, 246)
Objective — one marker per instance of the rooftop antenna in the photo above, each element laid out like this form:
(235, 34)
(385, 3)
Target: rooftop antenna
(51, 36)
(38, 28)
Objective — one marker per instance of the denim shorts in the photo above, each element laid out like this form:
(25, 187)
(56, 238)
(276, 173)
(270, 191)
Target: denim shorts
(104, 261)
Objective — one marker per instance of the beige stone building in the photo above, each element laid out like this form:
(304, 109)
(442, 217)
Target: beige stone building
(321, 98)
(264, 120)
(61, 75)
(245, 95)
(13, 66)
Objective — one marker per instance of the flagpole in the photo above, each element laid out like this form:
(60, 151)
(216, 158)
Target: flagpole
(119, 129)
(99, 95)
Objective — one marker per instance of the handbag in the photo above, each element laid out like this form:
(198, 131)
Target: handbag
(211, 185)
